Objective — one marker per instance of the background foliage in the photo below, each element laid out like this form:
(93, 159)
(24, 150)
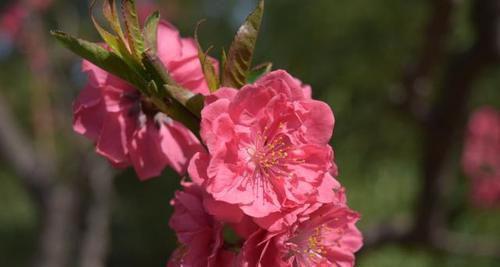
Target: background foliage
(353, 53)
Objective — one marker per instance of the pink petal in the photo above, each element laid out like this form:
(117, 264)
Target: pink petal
(210, 114)
(318, 121)
(283, 83)
(326, 193)
(223, 211)
(97, 76)
(197, 168)
(146, 155)
(169, 43)
(179, 145)
(222, 93)
(115, 134)
(88, 109)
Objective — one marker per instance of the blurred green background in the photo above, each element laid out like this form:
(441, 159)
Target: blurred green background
(352, 52)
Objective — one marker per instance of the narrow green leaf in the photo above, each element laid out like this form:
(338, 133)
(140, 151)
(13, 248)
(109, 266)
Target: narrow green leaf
(132, 28)
(239, 59)
(259, 71)
(160, 74)
(151, 32)
(187, 101)
(109, 12)
(100, 57)
(192, 102)
(114, 42)
(152, 88)
(156, 69)
(173, 100)
(195, 104)
(223, 61)
(206, 64)
(177, 112)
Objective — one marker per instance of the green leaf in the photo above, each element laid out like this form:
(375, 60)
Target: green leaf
(187, 101)
(195, 104)
(192, 102)
(114, 42)
(109, 12)
(132, 28)
(151, 31)
(152, 88)
(206, 64)
(182, 95)
(101, 57)
(259, 71)
(239, 59)
(177, 112)
(223, 61)
(156, 69)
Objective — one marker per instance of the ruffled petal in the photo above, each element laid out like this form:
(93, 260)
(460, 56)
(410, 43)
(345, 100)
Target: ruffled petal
(178, 144)
(146, 155)
(88, 110)
(114, 138)
(169, 43)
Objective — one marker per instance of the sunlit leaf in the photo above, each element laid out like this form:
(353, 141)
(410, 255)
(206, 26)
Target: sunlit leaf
(109, 12)
(195, 104)
(113, 41)
(223, 61)
(132, 28)
(187, 100)
(151, 31)
(100, 57)
(192, 102)
(239, 58)
(155, 68)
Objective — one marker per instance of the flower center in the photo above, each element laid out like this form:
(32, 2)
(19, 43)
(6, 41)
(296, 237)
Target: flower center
(140, 104)
(310, 246)
(314, 248)
(270, 155)
(143, 109)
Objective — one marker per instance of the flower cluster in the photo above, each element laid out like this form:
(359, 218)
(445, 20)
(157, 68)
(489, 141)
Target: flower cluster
(267, 176)
(481, 157)
(262, 186)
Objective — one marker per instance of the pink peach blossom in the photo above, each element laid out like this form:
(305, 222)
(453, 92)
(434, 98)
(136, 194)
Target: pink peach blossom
(268, 146)
(482, 147)
(199, 234)
(126, 127)
(323, 236)
(481, 157)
